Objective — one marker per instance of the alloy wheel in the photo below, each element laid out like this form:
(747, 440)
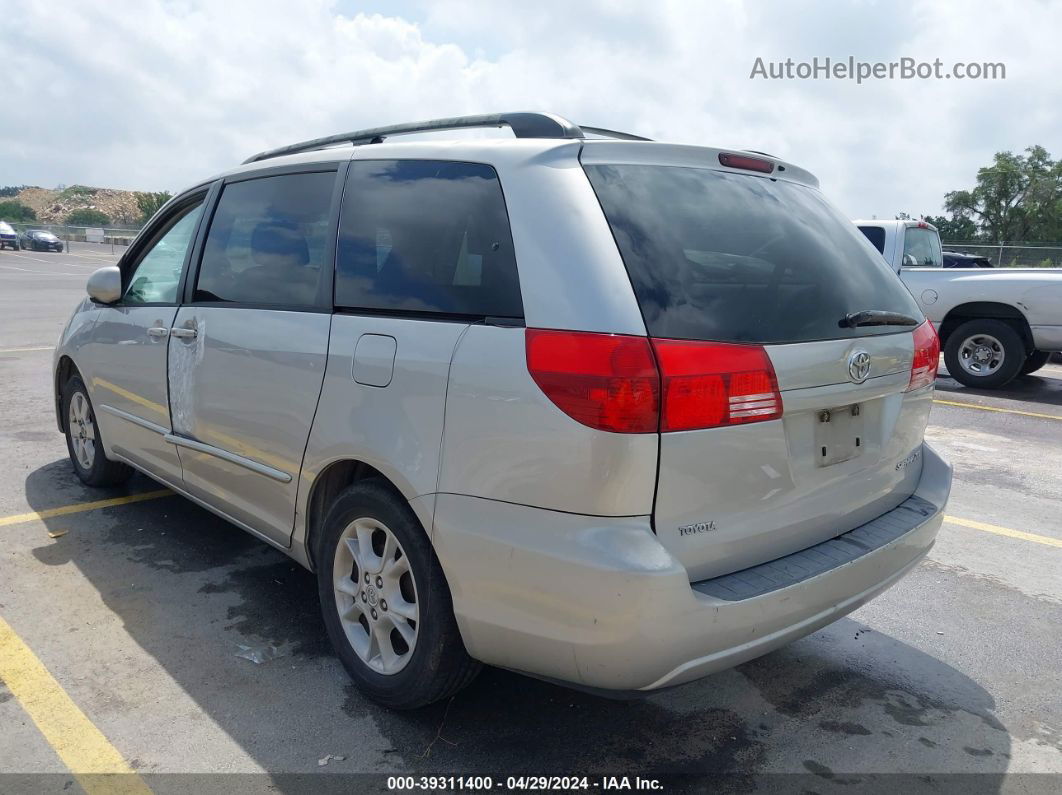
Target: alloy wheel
(376, 595)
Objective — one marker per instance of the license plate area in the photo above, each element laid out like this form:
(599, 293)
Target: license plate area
(838, 435)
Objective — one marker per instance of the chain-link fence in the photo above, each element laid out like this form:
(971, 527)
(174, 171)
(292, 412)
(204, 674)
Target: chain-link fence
(1013, 255)
(115, 235)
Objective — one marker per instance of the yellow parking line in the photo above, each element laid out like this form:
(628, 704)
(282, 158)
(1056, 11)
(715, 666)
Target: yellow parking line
(1004, 531)
(81, 507)
(994, 408)
(97, 765)
(26, 350)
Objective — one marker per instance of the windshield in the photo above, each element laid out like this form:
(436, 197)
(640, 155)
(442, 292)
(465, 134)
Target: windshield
(720, 256)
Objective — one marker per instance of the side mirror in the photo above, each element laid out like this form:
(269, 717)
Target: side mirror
(105, 285)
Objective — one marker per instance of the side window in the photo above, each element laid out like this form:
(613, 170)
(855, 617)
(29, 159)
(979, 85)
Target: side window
(429, 236)
(155, 278)
(922, 247)
(268, 241)
(876, 235)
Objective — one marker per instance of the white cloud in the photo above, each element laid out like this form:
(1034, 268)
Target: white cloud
(158, 94)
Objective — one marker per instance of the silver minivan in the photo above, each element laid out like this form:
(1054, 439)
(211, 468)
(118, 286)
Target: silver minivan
(606, 411)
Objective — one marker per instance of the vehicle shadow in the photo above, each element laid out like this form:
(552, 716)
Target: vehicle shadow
(1040, 388)
(194, 592)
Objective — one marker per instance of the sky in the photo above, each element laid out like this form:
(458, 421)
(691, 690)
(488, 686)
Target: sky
(157, 94)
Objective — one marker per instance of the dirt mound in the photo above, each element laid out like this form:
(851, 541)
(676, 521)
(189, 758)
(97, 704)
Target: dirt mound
(53, 206)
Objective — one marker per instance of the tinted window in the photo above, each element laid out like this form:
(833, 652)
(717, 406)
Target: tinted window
(922, 247)
(155, 278)
(719, 256)
(268, 242)
(876, 235)
(418, 235)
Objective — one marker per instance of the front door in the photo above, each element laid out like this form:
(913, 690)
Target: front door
(248, 349)
(128, 347)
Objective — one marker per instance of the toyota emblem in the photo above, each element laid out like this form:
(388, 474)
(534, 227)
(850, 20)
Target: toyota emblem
(859, 366)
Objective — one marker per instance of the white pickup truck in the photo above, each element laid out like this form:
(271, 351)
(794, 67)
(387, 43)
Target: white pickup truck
(994, 324)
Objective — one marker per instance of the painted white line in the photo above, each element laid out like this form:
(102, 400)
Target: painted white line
(35, 272)
(19, 255)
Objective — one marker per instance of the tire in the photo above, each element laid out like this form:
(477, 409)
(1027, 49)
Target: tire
(1036, 360)
(92, 467)
(435, 664)
(994, 338)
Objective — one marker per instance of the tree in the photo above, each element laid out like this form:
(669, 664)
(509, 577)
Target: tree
(87, 217)
(954, 230)
(16, 211)
(1018, 198)
(149, 203)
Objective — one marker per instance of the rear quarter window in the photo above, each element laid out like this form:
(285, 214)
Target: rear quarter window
(719, 256)
(876, 236)
(424, 236)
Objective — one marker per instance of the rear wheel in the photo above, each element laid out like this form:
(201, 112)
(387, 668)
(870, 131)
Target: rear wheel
(386, 603)
(1036, 360)
(984, 354)
(83, 439)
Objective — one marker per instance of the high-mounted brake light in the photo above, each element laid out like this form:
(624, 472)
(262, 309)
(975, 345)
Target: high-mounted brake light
(627, 384)
(744, 161)
(926, 356)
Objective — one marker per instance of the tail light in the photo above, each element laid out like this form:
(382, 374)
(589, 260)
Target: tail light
(707, 384)
(926, 356)
(615, 383)
(606, 381)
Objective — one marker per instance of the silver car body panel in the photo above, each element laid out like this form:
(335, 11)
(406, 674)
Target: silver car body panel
(505, 440)
(244, 392)
(396, 428)
(125, 369)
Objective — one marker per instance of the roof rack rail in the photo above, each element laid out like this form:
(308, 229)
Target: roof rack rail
(523, 125)
(613, 133)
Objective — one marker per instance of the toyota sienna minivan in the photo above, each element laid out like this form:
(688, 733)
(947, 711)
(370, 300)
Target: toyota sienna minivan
(609, 412)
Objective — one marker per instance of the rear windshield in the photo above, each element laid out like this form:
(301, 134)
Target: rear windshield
(921, 247)
(720, 256)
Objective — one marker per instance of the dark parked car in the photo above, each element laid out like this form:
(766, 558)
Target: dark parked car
(39, 240)
(8, 236)
(955, 259)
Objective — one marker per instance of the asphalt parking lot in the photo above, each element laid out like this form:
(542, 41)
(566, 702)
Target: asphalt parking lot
(141, 614)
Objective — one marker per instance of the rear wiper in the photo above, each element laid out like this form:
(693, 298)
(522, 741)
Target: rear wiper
(877, 317)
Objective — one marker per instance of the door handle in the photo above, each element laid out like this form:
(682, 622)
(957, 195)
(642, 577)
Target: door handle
(184, 333)
(158, 331)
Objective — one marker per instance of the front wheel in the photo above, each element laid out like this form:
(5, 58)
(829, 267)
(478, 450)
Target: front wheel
(385, 601)
(985, 354)
(83, 439)
(1036, 360)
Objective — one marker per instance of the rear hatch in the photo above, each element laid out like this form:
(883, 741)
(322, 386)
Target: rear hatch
(761, 280)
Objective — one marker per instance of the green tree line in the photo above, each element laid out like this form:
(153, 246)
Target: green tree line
(1016, 199)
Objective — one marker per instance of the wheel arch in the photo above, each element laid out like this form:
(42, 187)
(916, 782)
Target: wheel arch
(64, 369)
(994, 310)
(326, 486)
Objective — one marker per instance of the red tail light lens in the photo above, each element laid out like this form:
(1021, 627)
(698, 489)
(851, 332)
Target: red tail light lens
(606, 381)
(612, 382)
(926, 356)
(708, 384)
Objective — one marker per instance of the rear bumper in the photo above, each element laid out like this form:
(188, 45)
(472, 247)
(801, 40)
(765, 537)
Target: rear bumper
(598, 602)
